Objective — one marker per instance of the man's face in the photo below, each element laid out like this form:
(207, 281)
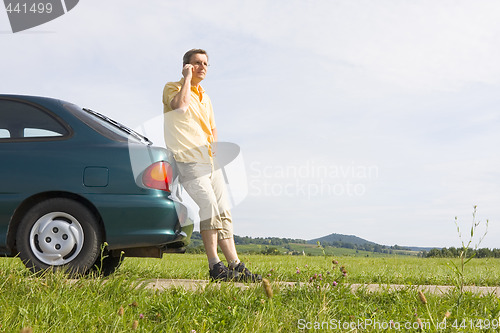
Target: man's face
(200, 63)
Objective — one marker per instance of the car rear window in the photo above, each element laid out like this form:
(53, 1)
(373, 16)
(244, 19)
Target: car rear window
(99, 125)
(24, 121)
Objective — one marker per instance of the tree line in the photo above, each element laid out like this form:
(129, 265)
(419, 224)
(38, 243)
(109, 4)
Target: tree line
(452, 252)
(238, 240)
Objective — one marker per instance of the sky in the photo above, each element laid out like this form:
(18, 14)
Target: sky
(370, 118)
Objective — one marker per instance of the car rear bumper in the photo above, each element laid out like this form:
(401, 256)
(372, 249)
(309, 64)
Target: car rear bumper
(139, 221)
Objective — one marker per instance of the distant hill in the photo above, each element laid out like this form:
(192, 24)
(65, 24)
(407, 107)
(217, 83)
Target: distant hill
(335, 238)
(339, 240)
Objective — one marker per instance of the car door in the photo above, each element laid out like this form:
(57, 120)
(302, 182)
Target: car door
(26, 131)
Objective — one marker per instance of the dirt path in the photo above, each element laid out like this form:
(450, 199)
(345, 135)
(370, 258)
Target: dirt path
(163, 284)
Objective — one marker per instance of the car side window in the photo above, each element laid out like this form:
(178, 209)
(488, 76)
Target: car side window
(21, 121)
(4, 133)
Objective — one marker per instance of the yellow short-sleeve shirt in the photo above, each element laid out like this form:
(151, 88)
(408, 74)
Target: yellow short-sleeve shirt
(188, 134)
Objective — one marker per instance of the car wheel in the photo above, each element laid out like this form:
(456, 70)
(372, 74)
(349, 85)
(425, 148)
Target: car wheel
(59, 233)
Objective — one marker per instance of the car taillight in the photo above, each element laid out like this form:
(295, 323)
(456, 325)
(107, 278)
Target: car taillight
(158, 176)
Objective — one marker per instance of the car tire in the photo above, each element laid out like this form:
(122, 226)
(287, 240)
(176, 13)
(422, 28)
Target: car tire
(59, 233)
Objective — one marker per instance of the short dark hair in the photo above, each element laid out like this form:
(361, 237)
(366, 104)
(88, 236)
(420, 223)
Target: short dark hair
(187, 56)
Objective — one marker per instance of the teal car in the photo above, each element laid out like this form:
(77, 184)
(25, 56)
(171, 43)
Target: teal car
(79, 191)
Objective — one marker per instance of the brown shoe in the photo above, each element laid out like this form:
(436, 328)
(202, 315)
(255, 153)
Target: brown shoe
(244, 274)
(220, 272)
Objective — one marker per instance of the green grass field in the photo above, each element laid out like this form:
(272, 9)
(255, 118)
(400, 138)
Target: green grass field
(388, 269)
(52, 304)
(308, 249)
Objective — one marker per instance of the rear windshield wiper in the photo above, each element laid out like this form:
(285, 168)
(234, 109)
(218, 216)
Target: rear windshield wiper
(124, 128)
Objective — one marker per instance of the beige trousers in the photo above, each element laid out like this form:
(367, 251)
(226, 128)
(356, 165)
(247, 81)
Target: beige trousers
(205, 184)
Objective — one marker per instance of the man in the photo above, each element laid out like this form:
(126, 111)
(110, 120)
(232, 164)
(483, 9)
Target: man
(190, 133)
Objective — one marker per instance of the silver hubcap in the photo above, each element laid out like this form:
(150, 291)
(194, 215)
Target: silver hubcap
(56, 238)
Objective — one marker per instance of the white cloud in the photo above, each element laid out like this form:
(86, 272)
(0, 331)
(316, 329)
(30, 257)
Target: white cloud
(411, 45)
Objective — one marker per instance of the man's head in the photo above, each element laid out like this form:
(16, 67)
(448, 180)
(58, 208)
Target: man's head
(198, 59)
(189, 54)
